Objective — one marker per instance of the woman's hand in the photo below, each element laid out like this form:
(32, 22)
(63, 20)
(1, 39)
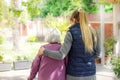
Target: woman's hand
(41, 50)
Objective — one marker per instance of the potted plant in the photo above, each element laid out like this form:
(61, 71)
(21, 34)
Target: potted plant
(4, 65)
(116, 66)
(109, 46)
(22, 62)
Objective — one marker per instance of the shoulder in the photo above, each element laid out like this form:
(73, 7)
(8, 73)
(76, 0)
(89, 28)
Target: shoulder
(69, 33)
(77, 25)
(58, 44)
(46, 45)
(52, 46)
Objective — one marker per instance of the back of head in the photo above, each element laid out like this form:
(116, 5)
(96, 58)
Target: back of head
(53, 36)
(80, 16)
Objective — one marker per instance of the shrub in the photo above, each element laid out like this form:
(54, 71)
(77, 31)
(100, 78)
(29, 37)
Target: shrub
(109, 46)
(61, 23)
(32, 38)
(116, 65)
(1, 39)
(1, 58)
(22, 57)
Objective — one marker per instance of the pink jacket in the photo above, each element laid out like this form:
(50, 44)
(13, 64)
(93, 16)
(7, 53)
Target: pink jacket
(48, 68)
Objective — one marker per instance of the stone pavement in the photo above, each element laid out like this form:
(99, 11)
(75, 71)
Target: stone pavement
(102, 73)
(105, 73)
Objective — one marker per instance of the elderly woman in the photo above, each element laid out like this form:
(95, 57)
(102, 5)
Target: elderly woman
(48, 68)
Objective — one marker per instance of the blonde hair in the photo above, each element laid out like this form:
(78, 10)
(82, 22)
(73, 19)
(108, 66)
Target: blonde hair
(86, 31)
(87, 34)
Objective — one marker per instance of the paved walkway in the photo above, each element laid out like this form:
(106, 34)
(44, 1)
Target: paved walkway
(103, 73)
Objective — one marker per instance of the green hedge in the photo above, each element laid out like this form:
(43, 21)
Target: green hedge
(32, 38)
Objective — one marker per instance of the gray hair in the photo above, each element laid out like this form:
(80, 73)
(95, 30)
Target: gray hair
(53, 35)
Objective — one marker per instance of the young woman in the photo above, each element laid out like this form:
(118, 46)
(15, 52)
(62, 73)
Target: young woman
(48, 68)
(81, 46)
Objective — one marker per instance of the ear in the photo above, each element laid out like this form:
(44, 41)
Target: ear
(74, 20)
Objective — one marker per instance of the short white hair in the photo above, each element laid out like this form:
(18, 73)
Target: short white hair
(53, 36)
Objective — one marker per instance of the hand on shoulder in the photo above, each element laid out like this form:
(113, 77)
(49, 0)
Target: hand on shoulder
(41, 50)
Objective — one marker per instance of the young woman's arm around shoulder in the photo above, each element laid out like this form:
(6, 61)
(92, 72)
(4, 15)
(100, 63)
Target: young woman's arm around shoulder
(61, 54)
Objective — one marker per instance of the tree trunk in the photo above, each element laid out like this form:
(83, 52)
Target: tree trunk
(16, 37)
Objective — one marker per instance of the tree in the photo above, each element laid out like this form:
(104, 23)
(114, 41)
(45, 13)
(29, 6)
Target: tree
(8, 18)
(4, 11)
(59, 7)
(2, 5)
(108, 7)
(90, 7)
(33, 7)
(16, 13)
(55, 7)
